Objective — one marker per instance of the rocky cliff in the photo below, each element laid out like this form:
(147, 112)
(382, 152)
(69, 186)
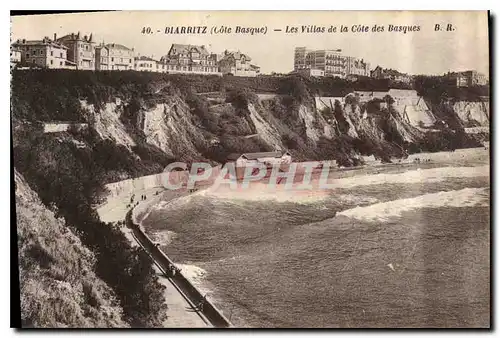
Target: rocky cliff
(159, 120)
(473, 114)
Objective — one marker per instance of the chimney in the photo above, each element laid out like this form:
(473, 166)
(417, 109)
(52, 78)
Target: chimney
(55, 36)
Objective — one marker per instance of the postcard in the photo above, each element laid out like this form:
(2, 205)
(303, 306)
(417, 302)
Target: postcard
(251, 169)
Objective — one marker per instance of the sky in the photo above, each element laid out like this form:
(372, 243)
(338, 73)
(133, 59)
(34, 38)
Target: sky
(425, 51)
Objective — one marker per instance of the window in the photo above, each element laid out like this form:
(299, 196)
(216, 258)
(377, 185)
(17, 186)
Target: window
(60, 63)
(51, 62)
(129, 60)
(27, 55)
(121, 60)
(112, 59)
(61, 54)
(51, 53)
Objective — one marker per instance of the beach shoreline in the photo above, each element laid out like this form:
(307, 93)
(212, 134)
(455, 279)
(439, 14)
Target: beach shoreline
(180, 312)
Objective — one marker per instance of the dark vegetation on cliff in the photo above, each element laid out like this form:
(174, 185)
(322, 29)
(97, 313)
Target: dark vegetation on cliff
(69, 179)
(53, 95)
(437, 89)
(59, 285)
(46, 95)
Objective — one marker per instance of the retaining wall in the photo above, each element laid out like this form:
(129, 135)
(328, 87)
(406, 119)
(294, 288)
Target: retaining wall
(60, 127)
(187, 288)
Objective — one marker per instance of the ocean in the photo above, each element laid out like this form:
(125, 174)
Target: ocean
(398, 245)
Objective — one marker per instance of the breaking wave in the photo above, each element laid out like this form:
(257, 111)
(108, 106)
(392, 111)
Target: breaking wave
(381, 212)
(163, 237)
(195, 275)
(412, 176)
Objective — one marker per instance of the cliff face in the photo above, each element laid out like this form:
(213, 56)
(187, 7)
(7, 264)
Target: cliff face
(159, 121)
(473, 114)
(58, 285)
(200, 128)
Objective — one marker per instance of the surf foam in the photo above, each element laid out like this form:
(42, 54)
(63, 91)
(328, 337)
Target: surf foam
(412, 176)
(381, 212)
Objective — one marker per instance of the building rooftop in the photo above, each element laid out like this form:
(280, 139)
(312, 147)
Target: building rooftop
(117, 46)
(236, 55)
(178, 48)
(77, 37)
(44, 42)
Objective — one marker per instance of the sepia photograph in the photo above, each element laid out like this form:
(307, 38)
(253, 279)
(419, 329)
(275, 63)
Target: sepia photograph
(251, 169)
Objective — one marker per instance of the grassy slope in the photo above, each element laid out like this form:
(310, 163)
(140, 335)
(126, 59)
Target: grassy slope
(59, 287)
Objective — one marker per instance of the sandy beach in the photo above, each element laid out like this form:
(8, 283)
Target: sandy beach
(181, 313)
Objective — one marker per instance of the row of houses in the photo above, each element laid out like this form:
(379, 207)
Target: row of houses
(81, 52)
(332, 62)
(328, 62)
(467, 78)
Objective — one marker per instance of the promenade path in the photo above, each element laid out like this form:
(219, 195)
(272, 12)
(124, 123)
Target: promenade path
(181, 313)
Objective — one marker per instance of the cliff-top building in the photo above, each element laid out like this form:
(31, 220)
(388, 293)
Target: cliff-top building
(190, 59)
(237, 64)
(390, 74)
(468, 78)
(81, 52)
(331, 61)
(114, 56)
(15, 55)
(45, 53)
(145, 64)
